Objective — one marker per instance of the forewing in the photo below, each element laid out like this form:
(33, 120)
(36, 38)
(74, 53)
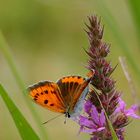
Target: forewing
(71, 88)
(47, 94)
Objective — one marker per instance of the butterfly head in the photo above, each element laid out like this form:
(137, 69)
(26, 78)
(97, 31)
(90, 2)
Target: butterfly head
(67, 115)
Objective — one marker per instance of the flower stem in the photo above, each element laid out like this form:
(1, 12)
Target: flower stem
(114, 136)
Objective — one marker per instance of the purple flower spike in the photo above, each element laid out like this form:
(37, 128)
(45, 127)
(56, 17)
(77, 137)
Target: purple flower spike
(103, 95)
(131, 112)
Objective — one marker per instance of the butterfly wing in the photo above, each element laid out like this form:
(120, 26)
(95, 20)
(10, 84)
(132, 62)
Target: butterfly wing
(71, 88)
(78, 106)
(47, 94)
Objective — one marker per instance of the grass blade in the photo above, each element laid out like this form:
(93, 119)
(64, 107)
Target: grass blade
(7, 54)
(22, 125)
(134, 5)
(10, 60)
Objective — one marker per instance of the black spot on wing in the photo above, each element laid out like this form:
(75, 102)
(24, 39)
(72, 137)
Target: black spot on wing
(45, 101)
(53, 92)
(78, 77)
(37, 94)
(51, 104)
(71, 85)
(75, 85)
(46, 91)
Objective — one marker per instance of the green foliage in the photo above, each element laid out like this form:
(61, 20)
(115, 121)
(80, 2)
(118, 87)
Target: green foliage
(25, 130)
(9, 58)
(134, 5)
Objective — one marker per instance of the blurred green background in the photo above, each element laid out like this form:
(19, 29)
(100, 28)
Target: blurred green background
(46, 39)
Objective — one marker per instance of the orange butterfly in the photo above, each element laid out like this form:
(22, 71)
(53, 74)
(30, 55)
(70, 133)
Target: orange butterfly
(65, 96)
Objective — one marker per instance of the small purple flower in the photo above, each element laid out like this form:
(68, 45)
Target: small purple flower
(131, 112)
(120, 117)
(93, 121)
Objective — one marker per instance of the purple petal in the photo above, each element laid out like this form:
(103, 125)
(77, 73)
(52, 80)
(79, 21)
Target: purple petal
(131, 112)
(117, 110)
(100, 129)
(90, 131)
(128, 112)
(120, 133)
(134, 107)
(86, 122)
(94, 138)
(95, 115)
(102, 118)
(87, 106)
(122, 104)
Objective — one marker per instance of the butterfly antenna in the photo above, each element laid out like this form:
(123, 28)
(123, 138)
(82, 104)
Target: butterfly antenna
(52, 118)
(65, 120)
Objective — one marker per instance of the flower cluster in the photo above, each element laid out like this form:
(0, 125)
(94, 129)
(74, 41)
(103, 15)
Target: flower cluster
(104, 96)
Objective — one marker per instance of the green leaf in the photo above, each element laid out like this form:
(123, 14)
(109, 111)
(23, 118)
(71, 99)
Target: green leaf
(25, 130)
(4, 48)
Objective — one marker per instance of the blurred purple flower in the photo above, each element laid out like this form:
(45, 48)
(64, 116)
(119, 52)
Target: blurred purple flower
(131, 112)
(94, 121)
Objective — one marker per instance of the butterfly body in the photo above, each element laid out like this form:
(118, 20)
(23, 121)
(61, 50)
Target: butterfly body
(65, 96)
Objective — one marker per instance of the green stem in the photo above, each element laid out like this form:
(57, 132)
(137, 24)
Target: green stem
(108, 121)
(114, 135)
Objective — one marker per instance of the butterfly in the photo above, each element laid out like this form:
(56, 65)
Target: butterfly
(66, 96)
